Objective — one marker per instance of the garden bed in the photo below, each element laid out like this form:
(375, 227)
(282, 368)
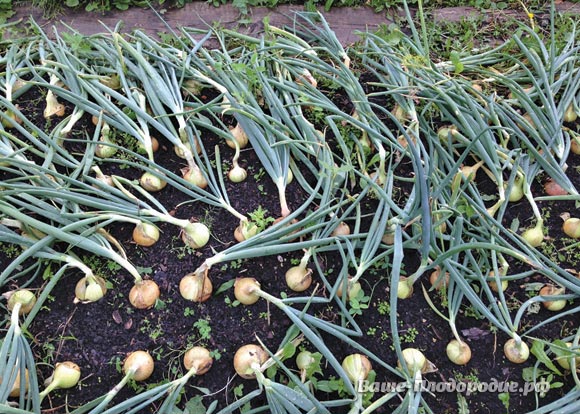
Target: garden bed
(360, 131)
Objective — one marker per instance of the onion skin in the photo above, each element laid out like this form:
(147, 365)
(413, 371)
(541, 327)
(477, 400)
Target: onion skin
(571, 227)
(67, 374)
(244, 290)
(139, 365)
(357, 367)
(514, 353)
(199, 359)
(248, 358)
(551, 290)
(196, 287)
(458, 352)
(144, 294)
(569, 114)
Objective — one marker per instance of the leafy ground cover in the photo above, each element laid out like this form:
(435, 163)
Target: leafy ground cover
(384, 199)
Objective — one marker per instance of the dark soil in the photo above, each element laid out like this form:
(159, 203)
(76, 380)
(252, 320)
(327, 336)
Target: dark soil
(98, 336)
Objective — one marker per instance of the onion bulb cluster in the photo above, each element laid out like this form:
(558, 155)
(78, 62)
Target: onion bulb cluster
(196, 287)
(248, 359)
(144, 294)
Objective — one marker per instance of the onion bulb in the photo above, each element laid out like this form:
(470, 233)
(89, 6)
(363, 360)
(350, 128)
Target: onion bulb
(552, 188)
(151, 182)
(195, 287)
(103, 149)
(515, 353)
(15, 391)
(469, 171)
(195, 176)
(239, 136)
(341, 230)
(90, 289)
(404, 288)
(248, 360)
(389, 235)
(245, 230)
(357, 367)
(565, 358)
(139, 365)
(237, 174)
(182, 152)
(198, 359)
(493, 284)
(534, 236)
(144, 294)
(415, 360)
(298, 278)
(305, 360)
(571, 227)
(575, 145)
(53, 107)
(145, 234)
(195, 235)
(551, 290)
(25, 298)
(245, 290)
(570, 114)
(154, 146)
(447, 132)
(353, 289)
(458, 352)
(66, 375)
(517, 190)
(437, 281)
